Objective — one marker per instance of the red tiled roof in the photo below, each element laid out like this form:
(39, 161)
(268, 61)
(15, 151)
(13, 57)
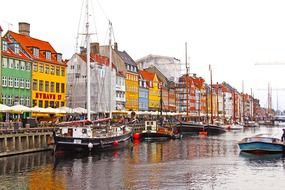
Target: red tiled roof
(27, 42)
(10, 53)
(149, 76)
(99, 59)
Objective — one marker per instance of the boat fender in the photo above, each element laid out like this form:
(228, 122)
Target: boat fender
(90, 146)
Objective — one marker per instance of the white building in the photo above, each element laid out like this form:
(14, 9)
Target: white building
(170, 67)
(100, 82)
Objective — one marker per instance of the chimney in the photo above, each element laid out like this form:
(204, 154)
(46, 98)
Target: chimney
(82, 50)
(94, 48)
(116, 46)
(24, 28)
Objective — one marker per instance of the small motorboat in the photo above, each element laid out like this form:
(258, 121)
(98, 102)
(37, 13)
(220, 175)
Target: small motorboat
(262, 143)
(235, 126)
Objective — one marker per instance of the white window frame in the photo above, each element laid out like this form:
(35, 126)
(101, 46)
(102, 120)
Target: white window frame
(16, 83)
(4, 81)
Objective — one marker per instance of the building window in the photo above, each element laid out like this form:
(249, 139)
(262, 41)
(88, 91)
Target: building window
(34, 102)
(35, 84)
(17, 64)
(40, 103)
(10, 82)
(35, 67)
(10, 100)
(62, 87)
(17, 48)
(4, 46)
(47, 69)
(27, 101)
(71, 67)
(61, 104)
(22, 83)
(28, 66)
(16, 83)
(41, 85)
(28, 85)
(62, 71)
(52, 70)
(57, 87)
(51, 104)
(47, 86)
(11, 63)
(48, 55)
(22, 100)
(23, 65)
(57, 71)
(4, 81)
(46, 103)
(41, 68)
(36, 52)
(4, 62)
(52, 87)
(59, 57)
(4, 100)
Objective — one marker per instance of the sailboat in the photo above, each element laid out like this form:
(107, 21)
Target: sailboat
(158, 130)
(88, 135)
(195, 128)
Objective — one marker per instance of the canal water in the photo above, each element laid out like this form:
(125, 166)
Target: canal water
(195, 162)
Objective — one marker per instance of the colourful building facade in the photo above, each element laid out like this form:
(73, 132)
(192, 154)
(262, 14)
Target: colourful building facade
(132, 82)
(153, 89)
(15, 75)
(48, 82)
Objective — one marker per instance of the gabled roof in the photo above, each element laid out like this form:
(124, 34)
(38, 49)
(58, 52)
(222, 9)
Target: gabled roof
(27, 43)
(127, 58)
(99, 59)
(149, 76)
(11, 53)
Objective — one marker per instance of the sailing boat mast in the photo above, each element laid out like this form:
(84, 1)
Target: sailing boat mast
(110, 66)
(211, 93)
(88, 62)
(186, 83)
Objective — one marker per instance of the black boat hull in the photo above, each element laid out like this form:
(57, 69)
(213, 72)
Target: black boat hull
(195, 129)
(91, 144)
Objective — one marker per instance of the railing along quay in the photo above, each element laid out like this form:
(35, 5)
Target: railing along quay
(23, 140)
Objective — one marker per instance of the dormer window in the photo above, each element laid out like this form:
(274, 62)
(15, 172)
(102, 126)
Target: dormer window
(36, 52)
(48, 55)
(4, 46)
(16, 48)
(59, 57)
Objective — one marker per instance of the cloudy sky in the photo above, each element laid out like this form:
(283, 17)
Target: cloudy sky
(230, 35)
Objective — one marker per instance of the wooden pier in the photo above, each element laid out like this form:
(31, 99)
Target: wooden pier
(19, 141)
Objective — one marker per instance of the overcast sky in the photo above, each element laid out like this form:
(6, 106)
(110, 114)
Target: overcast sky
(230, 35)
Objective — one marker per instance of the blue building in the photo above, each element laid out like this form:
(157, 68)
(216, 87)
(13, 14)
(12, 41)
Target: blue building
(143, 94)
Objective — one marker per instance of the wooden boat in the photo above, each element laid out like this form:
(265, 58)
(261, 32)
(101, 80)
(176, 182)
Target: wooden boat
(197, 128)
(85, 135)
(262, 143)
(153, 131)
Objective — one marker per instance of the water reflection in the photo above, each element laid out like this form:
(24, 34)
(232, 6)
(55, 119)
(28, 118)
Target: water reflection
(191, 163)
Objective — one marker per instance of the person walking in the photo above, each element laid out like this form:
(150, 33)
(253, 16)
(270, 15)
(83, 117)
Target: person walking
(283, 136)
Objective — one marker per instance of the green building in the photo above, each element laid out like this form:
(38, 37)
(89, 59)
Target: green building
(15, 74)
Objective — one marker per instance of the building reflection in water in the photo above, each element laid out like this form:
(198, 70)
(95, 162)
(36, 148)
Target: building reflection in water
(29, 171)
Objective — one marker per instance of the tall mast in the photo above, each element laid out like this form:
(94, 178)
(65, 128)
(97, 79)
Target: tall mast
(88, 62)
(234, 110)
(186, 83)
(110, 66)
(243, 114)
(211, 93)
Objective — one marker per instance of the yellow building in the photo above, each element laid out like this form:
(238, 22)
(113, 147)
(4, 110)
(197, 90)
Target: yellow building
(48, 69)
(154, 90)
(132, 84)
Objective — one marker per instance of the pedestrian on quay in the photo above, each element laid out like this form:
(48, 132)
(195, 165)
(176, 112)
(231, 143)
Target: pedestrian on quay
(283, 136)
